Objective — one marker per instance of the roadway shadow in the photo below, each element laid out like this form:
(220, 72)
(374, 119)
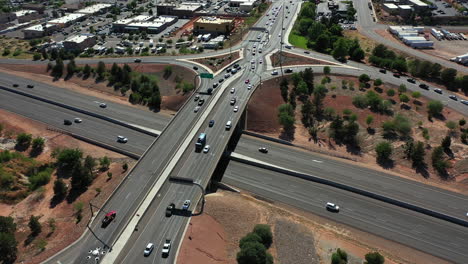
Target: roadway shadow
(422, 169)
(288, 134)
(386, 163)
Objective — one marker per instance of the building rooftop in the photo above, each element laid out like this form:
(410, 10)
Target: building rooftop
(24, 12)
(214, 20)
(406, 7)
(124, 21)
(93, 9)
(79, 38)
(188, 6)
(391, 6)
(418, 3)
(141, 18)
(67, 18)
(164, 19)
(146, 24)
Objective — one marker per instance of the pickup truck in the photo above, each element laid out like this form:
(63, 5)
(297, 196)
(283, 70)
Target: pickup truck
(166, 248)
(108, 218)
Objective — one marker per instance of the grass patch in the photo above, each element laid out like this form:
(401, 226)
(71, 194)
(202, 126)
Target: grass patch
(298, 41)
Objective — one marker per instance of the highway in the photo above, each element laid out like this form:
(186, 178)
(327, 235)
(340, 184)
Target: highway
(154, 227)
(433, 236)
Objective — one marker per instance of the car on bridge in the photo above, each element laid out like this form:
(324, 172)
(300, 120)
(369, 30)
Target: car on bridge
(169, 209)
(149, 248)
(122, 139)
(166, 248)
(186, 205)
(206, 149)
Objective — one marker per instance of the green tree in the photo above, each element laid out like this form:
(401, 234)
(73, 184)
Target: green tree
(438, 161)
(34, 225)
(374, 258)
(37, 56)
(86, 70)
(7, 225)
(364, 78)
(23, 140)
(100, 70)
(402, 89)
(404, 98)
(125, 166)
(384, 151)
(446, 142)
(378, 82)
(358, 55)
(326, 70)
(306, 111)
(390, 92)
(71, 68)
(57, 70)
(89, 163)
(435, 70)
(105, 163)
(339, 257)
(60, 189)
(340, 50)
(250, 237)
(319, 95)
(322, 43)
(369, 120)
(416, 95)
(461, 122)
(81, 178)
(435, 108)
(38, 144)
(167, 71)
(284, 89)
(286, 116)
(67, 159)
(302, 88)
(8, 247)
(417, 154)
(448, 76)
(253, 252)
(264, 232)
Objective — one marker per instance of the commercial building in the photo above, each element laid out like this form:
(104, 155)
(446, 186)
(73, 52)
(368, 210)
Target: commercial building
(213, 25)
(79, 42)
(40, 8)
(24, 16)
(39, 31)
(94, 9)
(214, 43)
(185, 9)
(404, 10)
(418, 5)
(392, 9)
(7, 17)
(148, 24)
(67, 20)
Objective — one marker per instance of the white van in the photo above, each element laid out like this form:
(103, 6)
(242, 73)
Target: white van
(228, 125)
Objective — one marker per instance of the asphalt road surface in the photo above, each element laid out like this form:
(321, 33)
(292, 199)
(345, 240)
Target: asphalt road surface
(402, 189)
(424, 233)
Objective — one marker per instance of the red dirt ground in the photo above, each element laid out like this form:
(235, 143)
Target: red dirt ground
(290, 59)
(262, 118)
(215, 235)
(39, 203)
(101, 90)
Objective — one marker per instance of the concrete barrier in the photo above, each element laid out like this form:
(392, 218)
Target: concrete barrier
(76, 109)
(369, 194)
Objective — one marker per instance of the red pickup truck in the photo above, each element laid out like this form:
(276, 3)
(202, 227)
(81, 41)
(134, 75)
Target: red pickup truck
(109, 217)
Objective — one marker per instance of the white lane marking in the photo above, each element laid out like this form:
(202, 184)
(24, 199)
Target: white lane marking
(318, 161)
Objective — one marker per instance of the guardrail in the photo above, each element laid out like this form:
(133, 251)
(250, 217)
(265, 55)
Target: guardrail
(76, 109)
(345, 187)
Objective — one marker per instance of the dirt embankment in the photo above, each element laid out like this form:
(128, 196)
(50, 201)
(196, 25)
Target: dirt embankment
(172, 98)
(38, 203)
(290, 59)
(216, 63)
(262, 118)
(298, 237)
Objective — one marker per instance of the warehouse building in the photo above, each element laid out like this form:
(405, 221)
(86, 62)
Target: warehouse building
(418, 5)
(404, 10)
(392, 9)
(245, 5)
(148, 24)
(67, 20)
(39, 31)
(79, 42)
(185, 9)
(213, 25)
(24, 16)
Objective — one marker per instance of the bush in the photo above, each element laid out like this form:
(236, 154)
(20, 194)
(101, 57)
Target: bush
(384, 151)
(264, 232)
(250, 237)
(38, 144)
(404, 98)
(391, 92)
(339, 257)
(105, 163)
(374, 258)
(416, 95)
(364, 78)
(435, 108)
(34, 225)
(23, 140)
(60, 189)
(451, 125)
(37, 56)
(40, 179)
(253, 252)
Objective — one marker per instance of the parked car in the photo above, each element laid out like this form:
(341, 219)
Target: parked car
(149, 248)
(169, 209)
(186, 205)
(263, 150)
(332, 207)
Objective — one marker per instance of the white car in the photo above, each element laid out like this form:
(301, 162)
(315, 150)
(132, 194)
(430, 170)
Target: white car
(102, 105)
(206, 149)
(332, 207)
(166, 248)
(233, 90)
(196, 109)
(78, 120)
(275, 72)
(236, 108)
(249, 87)
(122, 139)
(149, 248)
(186, 205)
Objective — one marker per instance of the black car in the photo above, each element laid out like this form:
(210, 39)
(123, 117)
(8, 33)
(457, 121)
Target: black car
(15, 85)
(288, 70)
(201, 101)
(307, 52)
(67, 122)
(383, 70)
(195, 68)
(411, 80)
(211, 124)
(396, 75)
(221, 80)
(137, 60)
(30, 86)
(453, 97)
(424, 86)
(169, 209)
(236, 66)
(215, 85)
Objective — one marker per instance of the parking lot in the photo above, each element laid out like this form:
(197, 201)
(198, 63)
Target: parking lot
(443, 9)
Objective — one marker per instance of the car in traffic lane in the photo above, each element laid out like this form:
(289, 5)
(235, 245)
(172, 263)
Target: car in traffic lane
(149, 248)
(332, 207)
